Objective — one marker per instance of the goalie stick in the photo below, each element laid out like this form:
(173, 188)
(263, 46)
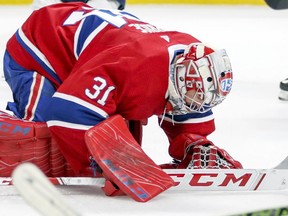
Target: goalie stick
(199, 180)
(44, 197)
(277, 4)
(39, 193)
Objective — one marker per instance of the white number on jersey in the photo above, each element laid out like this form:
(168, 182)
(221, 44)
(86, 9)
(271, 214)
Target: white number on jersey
(100, 85)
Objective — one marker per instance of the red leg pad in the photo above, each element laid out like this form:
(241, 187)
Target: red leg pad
(124, 162)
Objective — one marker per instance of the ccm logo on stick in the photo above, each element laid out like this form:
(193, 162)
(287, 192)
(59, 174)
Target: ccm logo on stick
(220, 180)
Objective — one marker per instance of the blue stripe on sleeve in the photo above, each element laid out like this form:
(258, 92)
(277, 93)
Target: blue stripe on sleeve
(70, 112)
(189, 116)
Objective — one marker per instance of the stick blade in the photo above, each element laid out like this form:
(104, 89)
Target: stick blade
(39, 192)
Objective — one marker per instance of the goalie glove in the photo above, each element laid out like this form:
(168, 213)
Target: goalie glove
(196, 152)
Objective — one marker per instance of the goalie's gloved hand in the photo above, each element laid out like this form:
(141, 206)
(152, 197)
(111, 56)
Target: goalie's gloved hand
(197, 152)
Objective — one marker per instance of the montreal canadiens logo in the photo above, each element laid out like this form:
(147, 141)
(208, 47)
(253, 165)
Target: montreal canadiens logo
(226, 85)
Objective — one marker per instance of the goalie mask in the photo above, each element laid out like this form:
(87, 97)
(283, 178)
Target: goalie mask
(200, 79)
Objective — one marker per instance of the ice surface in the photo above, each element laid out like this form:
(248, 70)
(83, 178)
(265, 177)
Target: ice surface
(251, 124)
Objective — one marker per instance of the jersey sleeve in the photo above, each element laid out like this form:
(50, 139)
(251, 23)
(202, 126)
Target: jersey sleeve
(195, 123)
(44, 44)
(176, 127)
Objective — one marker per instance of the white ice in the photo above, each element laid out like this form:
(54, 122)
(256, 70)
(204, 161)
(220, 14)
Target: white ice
(251, 124)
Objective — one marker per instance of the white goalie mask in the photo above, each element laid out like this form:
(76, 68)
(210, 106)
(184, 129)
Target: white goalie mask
(200, 79)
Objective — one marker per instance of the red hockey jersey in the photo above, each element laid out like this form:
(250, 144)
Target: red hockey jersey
(101, 63)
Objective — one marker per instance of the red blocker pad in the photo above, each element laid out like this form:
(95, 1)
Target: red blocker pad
(124, 162)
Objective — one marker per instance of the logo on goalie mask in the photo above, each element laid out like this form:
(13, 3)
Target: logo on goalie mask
(202, 78)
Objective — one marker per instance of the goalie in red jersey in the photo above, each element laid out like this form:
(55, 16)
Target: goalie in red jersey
(85, 65)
